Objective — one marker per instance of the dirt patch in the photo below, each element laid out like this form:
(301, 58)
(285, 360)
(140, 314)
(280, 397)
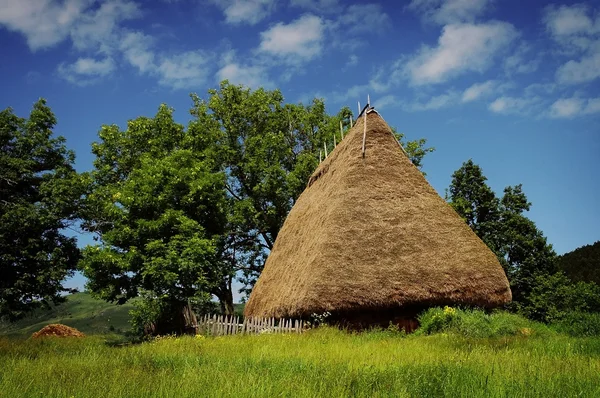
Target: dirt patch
(57, 330)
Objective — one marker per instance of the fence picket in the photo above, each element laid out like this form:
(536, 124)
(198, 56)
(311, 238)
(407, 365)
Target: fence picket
(228, 325)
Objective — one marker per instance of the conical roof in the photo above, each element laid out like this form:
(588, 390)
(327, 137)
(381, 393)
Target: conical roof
(371, 233)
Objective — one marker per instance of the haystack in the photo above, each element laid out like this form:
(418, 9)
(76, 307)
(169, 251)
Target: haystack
(57, 330)
(370, 241)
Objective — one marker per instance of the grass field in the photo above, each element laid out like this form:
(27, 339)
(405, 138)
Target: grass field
(323, 362)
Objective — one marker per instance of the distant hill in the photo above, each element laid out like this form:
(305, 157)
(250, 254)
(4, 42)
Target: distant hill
(582, 264)
(81, 311)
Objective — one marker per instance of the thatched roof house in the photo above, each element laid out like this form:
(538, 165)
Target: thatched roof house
(370, 241)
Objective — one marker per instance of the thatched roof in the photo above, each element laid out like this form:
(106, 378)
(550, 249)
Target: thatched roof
(371, 233)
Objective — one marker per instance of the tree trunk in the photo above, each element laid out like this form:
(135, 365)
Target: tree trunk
(225, 297)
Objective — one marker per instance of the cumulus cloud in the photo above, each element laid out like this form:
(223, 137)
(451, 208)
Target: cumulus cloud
(298, 41)
(360, 18)
(515, 105)
(479, 90)
(45, 23)
(187, 70)
(86, 71)
(461, 48)
(450, 11)
(572, 20)
(584, 70)
(577, 32)
(573, 107)
(521, 61)
(136, 48)
(253, 76)
(246, 11)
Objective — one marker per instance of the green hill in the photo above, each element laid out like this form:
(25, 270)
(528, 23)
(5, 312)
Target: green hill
(81, 311)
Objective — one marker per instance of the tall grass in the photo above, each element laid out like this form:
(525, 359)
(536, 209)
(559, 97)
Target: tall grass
(323, 362)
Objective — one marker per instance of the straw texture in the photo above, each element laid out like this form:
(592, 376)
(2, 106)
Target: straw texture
(372, 234)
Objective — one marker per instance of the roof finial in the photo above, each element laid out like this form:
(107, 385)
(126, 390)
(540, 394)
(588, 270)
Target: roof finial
(369, 100)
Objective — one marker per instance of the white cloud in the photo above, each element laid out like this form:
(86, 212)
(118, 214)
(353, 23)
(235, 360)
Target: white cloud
(584, 70)
(136, 49)
(253, 76)
(246, 11)
(564, 108)
(187, 70)
(450, 11)
(479, 90)
(515, 105)
(318, 6)
(518, 62)
(570, 20)
(577, 33)
(360, 18)
(99, 28)
(461, 48)
(436, 102)
(571, 107)
(45, 23)
(86, 71)
(300, 40)
(385, 101)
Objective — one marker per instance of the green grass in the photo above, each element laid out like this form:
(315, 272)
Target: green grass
(81, 311)
(323, 362)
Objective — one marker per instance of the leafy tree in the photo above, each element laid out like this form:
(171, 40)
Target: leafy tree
(554, 297)
(39, 194)
(267, 150)
(181, 213)
(501, 223)
(582, 264)
(157, 204)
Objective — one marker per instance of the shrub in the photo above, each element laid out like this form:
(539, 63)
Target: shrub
(436, 320)
(477, 323)
(579, 324)
(555, 295)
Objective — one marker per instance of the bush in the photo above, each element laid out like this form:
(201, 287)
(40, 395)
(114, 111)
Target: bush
(476, 323)
(579, 324)
(553, 296)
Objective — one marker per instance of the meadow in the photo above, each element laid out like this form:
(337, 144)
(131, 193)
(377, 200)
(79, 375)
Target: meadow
(323, 362)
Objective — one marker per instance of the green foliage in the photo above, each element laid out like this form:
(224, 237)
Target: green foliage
(267, 150)
(578, 324)
(582, 264)
(158, 206)
(181, 212)
(477, 323)
(322, 363)
(520, 246)
(39, 193)
(554, 296)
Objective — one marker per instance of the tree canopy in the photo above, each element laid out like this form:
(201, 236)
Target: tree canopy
(39, 196)
(501, 223)
(181, 212)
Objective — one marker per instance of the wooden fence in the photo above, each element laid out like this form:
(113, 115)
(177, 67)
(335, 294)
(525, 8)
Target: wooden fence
(223, 325)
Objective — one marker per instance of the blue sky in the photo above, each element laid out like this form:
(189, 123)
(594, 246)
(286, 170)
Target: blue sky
(514, 85)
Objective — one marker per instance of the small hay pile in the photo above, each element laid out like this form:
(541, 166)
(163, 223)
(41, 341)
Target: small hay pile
(370, 233)
(57, 330)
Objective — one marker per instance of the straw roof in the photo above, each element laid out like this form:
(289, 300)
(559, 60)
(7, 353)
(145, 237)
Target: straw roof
(371, 233)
